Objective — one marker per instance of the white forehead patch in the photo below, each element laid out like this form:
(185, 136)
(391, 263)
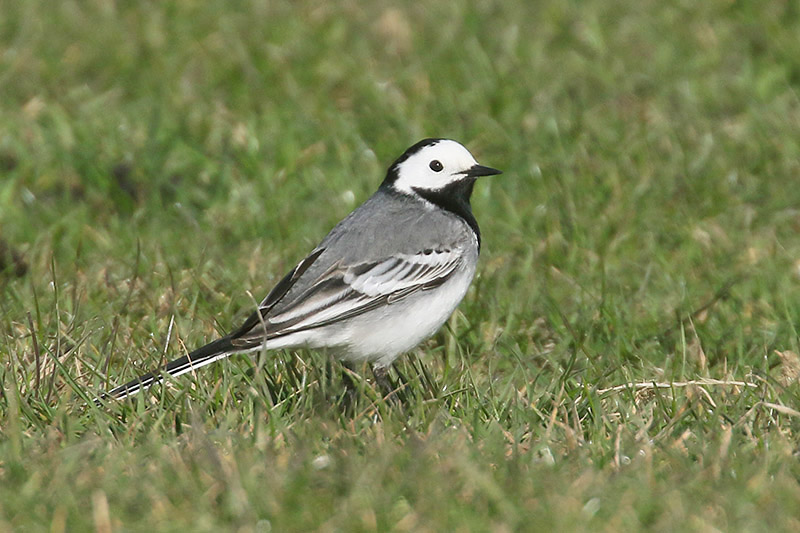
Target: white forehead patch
(434, 166)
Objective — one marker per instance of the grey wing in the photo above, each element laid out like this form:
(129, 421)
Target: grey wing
(242, 337)
(343, 292)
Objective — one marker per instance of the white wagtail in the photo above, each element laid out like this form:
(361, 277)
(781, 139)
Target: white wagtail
(383, 280)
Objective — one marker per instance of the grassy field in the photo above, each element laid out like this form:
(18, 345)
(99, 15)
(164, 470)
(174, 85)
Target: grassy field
(625, 360)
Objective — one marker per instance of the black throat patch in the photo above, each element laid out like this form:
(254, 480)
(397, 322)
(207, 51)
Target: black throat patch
(455, 199)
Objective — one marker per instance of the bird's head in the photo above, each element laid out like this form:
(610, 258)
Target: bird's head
(434, 165)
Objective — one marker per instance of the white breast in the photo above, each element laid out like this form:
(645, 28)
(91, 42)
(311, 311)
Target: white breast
(381, 335)
(385, 334)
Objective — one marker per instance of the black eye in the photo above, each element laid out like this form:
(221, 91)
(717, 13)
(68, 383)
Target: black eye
(436, 166)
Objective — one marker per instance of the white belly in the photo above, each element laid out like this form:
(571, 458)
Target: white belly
(381, 335)
(381, 339)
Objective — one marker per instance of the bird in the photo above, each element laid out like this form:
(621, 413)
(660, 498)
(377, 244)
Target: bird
(384, 279)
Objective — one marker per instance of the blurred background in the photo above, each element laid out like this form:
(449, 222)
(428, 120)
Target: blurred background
(163, 164)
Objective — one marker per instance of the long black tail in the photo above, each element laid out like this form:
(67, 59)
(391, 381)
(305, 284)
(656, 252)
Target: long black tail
(205, 355)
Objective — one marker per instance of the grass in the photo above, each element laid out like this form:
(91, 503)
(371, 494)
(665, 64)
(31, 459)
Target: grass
(164, 164)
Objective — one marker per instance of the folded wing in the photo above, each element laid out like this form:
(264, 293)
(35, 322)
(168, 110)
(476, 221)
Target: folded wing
(347, 291)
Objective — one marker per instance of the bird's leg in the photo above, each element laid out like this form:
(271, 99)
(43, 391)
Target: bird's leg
(381, 374)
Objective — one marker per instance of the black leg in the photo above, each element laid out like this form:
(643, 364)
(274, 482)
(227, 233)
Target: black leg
(385, 385)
